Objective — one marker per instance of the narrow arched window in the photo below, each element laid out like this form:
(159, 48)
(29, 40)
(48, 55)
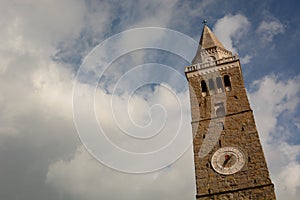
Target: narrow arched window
(203, 88)
(211, 84)
(219, 84)
(227, 83)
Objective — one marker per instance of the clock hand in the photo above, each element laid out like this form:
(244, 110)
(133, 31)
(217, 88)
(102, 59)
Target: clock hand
(227, 158)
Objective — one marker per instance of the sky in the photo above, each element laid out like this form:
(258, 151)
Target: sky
(73, 71)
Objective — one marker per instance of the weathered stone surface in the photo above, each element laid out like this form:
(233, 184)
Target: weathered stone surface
(222, 117)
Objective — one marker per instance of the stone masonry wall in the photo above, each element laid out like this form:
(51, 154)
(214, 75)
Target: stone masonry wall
(259, 193)
(236, 129)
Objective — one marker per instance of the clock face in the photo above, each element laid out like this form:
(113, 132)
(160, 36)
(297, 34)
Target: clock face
(228, 160)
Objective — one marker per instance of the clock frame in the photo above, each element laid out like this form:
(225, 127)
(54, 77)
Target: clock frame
(228, 160)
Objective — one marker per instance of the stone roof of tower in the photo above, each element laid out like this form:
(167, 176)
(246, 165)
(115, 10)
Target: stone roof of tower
(210, 46)
(208, 39)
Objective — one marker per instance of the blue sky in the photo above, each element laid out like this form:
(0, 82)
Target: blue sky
(44, 43)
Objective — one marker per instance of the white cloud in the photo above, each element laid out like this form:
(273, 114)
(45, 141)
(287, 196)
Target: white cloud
(289, 178)
(270, 99)
(84, 178)
(267, 29)
(230, 29)
(35, 102)
(36, 124)
(35, 93)
(246, 59)
(33, 27)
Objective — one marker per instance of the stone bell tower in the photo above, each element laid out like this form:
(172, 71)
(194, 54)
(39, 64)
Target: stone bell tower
(229, 160)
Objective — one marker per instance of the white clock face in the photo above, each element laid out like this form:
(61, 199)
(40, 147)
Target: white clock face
(228, 160)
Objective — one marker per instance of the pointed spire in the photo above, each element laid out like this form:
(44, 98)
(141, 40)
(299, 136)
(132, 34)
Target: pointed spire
(208, 39)
(210, 48)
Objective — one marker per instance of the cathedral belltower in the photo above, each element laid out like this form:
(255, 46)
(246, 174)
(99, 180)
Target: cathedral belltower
(229, 160)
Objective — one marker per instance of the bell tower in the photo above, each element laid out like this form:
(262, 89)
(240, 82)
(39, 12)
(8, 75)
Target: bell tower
(229, 160)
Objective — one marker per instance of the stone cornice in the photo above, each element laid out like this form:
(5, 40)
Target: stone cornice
(202, 67)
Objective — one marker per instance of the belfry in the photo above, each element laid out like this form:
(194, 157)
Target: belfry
(228, 156)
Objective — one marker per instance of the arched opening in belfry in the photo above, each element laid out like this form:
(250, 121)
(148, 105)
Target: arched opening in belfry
(211, 84)
(204, 88)
(219, 84)
(227, 83)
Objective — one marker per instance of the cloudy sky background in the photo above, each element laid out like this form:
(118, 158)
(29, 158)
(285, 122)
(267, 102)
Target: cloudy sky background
(43, 43)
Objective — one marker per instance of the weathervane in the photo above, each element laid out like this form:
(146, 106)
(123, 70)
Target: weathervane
(204, 22)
